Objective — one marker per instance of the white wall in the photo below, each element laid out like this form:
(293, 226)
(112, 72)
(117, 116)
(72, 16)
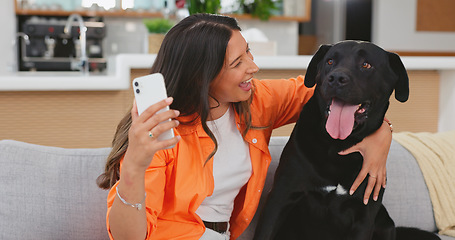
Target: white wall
(285, 33)
(394, 28)
(8, 30)
(125, 35)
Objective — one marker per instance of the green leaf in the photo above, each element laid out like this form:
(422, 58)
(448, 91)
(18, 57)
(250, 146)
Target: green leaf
(158, 25)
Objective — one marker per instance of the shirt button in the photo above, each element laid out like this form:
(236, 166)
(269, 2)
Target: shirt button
(254, 140)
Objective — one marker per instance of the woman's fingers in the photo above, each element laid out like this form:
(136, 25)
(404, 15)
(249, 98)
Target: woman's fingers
(163, 127)
(377, 188)
(374, 182)
(360, 177)
(167, 143)
(134, 113)
(150, 118)
(146, 127)
(371, 183)
(376, 179)
(153, 109)
(160, 118)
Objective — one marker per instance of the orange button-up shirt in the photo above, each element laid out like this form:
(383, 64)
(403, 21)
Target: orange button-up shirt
(177, 181)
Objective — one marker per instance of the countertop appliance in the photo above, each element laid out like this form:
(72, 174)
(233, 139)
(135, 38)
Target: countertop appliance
(45, 47)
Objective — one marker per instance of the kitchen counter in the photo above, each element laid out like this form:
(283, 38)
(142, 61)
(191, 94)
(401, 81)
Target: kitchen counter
(117, 76)
(114, 78)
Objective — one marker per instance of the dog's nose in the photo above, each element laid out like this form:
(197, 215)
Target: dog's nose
(338, 79)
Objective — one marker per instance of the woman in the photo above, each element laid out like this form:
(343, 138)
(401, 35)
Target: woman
(208, 186)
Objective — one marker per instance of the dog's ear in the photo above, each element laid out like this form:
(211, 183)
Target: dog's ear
(402, 85)
(312, 70)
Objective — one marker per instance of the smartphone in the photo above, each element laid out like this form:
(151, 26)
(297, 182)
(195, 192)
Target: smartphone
(149, 90)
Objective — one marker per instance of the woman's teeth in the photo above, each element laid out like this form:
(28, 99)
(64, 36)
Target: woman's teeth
(248, 80)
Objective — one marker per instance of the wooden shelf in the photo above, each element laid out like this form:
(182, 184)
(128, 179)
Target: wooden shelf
(145, 14)
(139, 14)
(272, 18)
(125, 13)
(116, 13)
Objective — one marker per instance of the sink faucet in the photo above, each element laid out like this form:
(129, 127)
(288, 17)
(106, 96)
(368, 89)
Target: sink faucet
(18, 44)
(83, 64)
(24, 36)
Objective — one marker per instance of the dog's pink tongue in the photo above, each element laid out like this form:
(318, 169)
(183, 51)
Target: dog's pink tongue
(341, 119)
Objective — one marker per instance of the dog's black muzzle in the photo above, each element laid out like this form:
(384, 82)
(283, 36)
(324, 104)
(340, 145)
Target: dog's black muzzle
(338, 79)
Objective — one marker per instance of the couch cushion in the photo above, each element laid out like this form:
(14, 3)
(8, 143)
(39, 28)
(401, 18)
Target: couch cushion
(50, 193)
(406, 197)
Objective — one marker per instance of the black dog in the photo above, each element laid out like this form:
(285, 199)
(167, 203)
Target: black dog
(309, 198)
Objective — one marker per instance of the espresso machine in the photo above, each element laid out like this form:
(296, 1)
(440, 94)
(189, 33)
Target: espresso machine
(56, 44)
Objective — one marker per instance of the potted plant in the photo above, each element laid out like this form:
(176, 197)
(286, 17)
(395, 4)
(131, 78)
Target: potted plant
(204, 6)
(157, 28)
(261, 9)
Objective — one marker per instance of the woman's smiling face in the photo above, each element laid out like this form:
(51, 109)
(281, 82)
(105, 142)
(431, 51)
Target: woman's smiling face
(233, 83)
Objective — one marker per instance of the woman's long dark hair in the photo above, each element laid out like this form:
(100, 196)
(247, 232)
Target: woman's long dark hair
(190, 58)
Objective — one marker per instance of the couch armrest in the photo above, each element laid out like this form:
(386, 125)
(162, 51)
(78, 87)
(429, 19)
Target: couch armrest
(50, 192)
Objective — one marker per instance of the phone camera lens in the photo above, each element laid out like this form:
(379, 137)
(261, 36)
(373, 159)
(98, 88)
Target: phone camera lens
(138, 91)
(136, 84)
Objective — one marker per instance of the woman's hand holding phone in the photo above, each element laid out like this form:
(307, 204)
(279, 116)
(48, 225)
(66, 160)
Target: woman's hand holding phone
(145, 129)
(152, 125)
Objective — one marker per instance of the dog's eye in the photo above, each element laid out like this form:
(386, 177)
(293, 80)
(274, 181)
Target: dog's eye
(330, 61)
(366, 65)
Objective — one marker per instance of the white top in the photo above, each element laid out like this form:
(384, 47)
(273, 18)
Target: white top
(231, 169)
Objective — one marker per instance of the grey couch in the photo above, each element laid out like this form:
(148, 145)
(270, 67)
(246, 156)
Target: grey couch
(50, 193)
